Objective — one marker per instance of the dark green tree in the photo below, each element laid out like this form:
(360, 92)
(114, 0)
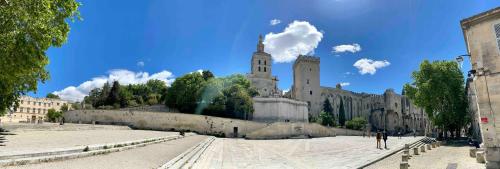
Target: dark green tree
(52, 96)
(183, 94)
(341, 113)
(327, 107)
(27, 30)
(113, 98)
(207, 74)
(64, 107)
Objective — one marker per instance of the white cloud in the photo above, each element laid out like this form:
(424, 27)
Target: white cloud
(140, 64)
(345, 84)
(347, 48)
(370, 66)
(299, 38)
(123, 76)
(274, 22)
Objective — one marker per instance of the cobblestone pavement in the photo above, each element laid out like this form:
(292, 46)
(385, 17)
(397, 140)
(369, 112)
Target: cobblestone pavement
(34, 141)
(329, 152)
(151, 156)
(438, 158)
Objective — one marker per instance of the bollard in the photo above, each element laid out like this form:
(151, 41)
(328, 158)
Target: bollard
(93, 122)
(403, 165)
(433, 144)
(422, 149)
(407, 146)
(480, 157)
(406, 152)
(472, 152)
(428, 146)
(415, 151)
(405, 157)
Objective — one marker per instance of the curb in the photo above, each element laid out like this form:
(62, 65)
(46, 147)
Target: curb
(80, 152)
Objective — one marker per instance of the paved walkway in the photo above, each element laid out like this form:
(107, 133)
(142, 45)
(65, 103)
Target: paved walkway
(438, 158)
(330, 152)
(151, 156)
(34, 141)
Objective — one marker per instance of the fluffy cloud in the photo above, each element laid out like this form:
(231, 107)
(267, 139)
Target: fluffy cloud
(345, 84)
(299, 38)
(125, 77)
(347, 48)
(274, 22)
(140, 64)
(370, 66)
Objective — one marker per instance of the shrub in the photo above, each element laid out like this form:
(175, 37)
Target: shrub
(357, 123)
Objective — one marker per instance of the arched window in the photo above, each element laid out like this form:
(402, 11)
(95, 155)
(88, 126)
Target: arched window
(265, 62)
(259, 68)
(259, 62)
(265, 70)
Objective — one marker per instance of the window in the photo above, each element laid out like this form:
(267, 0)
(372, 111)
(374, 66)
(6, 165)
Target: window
(21, 110)
(311, 92)
(396, 104)
(259, 68)
(265, 70)
(265, 62)
(58, 104)
(307, 81)
(28, 102)
(22, 101)
(259, 62)
(497, 33)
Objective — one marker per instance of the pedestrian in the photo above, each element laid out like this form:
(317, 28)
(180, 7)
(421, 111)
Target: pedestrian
(399, 134)
(379, 136)
(385, 139)
(414, 133)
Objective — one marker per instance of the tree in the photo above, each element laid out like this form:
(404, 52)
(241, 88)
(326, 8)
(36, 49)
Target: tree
(326, 119)
(64, 107)
(207, 74)
(52, 96)
(103, 96)
(27, 30)
(53, 115)
(341, 113)
(357, 123)
(113, 98)
(183, 94)
(438, 88)
(327, 107)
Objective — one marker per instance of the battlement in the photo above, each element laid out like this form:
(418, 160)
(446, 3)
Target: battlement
(307, 58)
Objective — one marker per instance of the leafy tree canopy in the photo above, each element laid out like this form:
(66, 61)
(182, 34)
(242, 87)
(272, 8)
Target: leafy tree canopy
(52, 96)
(439, 88)
(27, 29)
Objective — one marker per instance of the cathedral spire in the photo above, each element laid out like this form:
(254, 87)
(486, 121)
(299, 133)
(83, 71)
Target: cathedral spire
(260, 46)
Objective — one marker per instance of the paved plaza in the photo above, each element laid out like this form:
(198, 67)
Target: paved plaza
(27, 141)
(329, 152)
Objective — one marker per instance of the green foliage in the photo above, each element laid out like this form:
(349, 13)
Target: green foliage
(201, 93)
(184, 91)
(327, 106)
(357, 123)
(27, 29)
(438, 87)
(64, 107)
(131, 95)
(341, 113)
(52, 96)
(326, 119)
(53, 115)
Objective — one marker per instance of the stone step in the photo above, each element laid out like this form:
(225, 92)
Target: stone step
(189, 157)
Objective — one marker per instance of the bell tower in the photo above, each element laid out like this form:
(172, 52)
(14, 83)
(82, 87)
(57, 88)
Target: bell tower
(261, 61)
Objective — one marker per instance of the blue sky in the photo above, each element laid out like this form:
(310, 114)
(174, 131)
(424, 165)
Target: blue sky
(166, 39)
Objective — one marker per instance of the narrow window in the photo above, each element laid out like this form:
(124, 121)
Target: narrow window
(259, 68)
(497, 33)
(311, 92)
(307, 81)
(265, 70)
(259, 62)
(265, 62)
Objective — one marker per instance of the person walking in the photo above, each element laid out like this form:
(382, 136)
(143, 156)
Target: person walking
(399, 134)
(385, 139)
(379, 136)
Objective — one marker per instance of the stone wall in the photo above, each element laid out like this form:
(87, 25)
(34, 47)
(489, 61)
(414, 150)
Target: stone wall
(279, 110)
(198, 123)
(165, 121)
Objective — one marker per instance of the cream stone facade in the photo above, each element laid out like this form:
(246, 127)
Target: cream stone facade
(32, 110)
(482, 38)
